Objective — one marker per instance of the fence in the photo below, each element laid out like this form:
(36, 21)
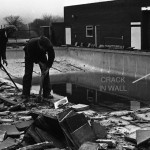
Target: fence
(116, 42)
(23, 34)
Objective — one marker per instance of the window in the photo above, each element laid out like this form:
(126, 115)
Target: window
(90, 95)
(89, 31)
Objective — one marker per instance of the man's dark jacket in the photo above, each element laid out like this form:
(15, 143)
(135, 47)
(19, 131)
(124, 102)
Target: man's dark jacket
(3, 42)
(36, 54)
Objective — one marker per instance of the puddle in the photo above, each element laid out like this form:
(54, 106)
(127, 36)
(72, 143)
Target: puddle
(85, 95)
(116, 91)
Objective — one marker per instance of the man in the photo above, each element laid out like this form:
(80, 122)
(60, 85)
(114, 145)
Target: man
(35, 52)
(3, 43)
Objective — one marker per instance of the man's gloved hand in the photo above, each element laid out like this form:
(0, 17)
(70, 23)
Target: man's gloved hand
(44, 68)
(5, 62)
(45, 71)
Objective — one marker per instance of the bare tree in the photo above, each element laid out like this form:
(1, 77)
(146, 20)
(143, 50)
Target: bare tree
(46, 20)
(14, 20)
(49, 19)
(58, 19)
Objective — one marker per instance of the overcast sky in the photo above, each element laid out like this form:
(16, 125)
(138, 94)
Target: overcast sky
(28, 10)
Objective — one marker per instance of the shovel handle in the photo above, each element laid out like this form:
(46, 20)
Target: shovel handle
(41, 85)
(10, 77)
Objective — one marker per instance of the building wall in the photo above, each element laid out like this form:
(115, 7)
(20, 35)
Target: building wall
(113, 19)
(146, 29)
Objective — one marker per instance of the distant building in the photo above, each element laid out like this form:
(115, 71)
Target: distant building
(125, 23)
(46, 31)
(55, 32)
(58, 30)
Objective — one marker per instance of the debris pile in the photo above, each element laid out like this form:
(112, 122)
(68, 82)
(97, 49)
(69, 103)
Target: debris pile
(60, 125)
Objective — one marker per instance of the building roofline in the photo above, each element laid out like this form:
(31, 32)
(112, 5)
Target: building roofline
(90, 3)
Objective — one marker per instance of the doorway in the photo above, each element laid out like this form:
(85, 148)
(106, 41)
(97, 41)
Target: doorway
(136, 35)
(146, 30)
(68, 36)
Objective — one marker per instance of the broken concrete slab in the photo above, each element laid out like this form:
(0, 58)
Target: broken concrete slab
(50, 138)
(21, 126)
(2, 135)
(4, 113)
(38, 146)
(132, 128)
(26, 112)
(11, 130)
(142, 136)
(115, 121)
(3, 120)
(48, 112)
(76, 127)
(60, 103)
(131, 137)
(25, 118)
(8, 101)
(36, 133)
(120, 113)
(111, 143)
(83, 134)
(99, 130)
(80, 107)
(75, 122)
(3, 107)
(17, 107)
(9, 142)
(143, 116)
(89, 146)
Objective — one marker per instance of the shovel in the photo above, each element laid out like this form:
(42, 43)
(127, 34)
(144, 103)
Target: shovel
(10, 77)
(41, 88)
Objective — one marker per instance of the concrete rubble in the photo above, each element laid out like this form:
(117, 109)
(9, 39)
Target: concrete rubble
(33, 125)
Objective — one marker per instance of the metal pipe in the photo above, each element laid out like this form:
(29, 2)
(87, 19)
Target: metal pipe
(10, 77)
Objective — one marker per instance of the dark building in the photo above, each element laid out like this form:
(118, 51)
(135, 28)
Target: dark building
(58, 32)
(46, 31)
(120, 22)
(55, 32)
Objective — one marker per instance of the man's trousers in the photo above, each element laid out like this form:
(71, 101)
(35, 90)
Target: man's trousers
(27, 79)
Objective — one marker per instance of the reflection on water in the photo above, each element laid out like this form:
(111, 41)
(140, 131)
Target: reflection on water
(104, 82)
(108, 82)
(86, 95)
(110, 90)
